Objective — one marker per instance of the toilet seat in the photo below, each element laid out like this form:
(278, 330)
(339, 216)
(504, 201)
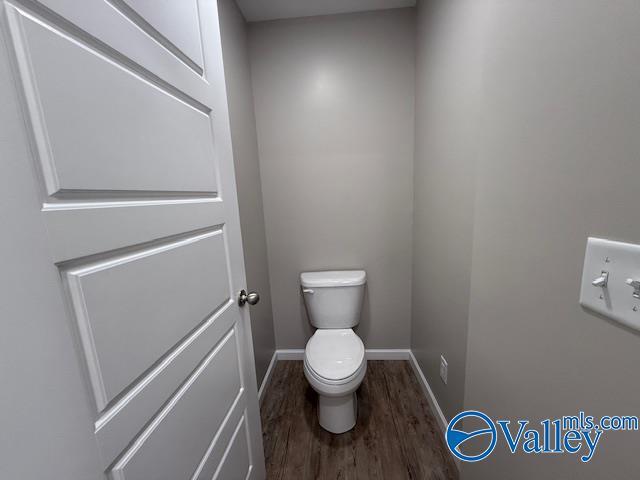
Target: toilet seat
(334, 356)
(337, 383)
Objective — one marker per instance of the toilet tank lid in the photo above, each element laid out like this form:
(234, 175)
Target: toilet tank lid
(335, 278)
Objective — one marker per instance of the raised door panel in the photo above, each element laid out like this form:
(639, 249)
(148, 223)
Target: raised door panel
(236, 464)
(126, 417)
(102, 124)
(213, 460)
(175, 24)
(134, 307)
(174, 443)
(135, 221)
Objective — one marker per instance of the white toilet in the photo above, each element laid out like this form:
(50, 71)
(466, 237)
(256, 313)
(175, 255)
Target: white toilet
(334, 361)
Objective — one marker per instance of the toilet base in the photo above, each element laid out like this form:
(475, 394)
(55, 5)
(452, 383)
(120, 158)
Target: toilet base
(338, 414)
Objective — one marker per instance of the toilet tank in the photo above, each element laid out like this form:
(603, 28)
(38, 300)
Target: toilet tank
(333, 299)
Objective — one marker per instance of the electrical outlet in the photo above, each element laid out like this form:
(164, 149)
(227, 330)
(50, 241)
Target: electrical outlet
(443, 369)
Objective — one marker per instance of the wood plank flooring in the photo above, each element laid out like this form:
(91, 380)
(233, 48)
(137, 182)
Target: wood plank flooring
(396, 437)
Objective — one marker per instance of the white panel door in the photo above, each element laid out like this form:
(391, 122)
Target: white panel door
(124, 353)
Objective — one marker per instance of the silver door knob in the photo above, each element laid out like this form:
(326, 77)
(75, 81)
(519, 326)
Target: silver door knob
(251, 298)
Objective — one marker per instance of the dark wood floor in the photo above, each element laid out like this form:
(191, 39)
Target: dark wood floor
(396, 436)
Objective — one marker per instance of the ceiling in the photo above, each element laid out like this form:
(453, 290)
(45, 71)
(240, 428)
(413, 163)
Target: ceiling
(258, 10)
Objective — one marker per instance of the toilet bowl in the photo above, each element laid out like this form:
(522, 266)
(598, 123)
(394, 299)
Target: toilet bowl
(335, 365)
(334, 359)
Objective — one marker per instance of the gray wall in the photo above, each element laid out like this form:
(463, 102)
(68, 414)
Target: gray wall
(334, 100)
(542, 98)
(446, 150)
(560, 161)
(245, 155)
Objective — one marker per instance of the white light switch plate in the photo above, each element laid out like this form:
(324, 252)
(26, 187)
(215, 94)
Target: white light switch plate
(616, 300)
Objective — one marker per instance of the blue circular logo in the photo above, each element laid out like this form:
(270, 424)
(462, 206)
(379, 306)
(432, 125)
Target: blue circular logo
(456, 437)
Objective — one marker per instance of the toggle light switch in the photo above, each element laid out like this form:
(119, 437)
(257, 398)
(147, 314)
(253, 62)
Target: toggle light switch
(635, 284)
(610, 268)
(602, 280)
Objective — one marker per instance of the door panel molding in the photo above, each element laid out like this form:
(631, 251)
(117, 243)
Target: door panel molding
(146, 222)
(101, 23)
(178, 414)
(215, 453)
(237, 458)
(110, 311)
(192, 60)
(85, 102)
(125, 418)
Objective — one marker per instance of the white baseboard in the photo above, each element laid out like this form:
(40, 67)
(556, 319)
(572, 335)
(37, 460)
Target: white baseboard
(290, 354)
(387, 354)
(371, 353)
(267, 377)
(442, 420)
(431, 398)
